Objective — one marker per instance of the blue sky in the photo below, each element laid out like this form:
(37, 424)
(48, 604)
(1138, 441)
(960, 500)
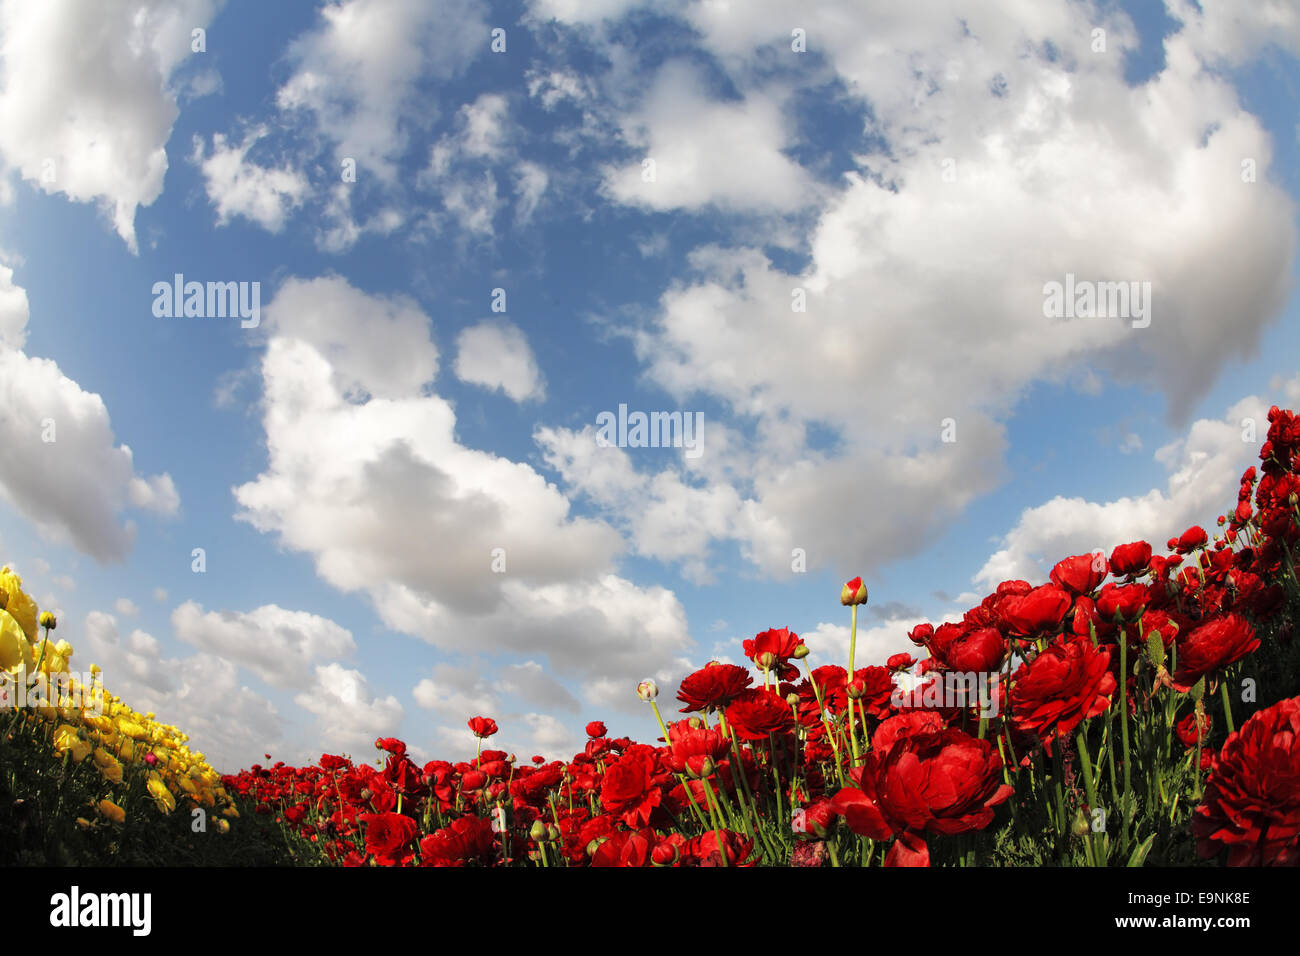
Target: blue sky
(919, 172)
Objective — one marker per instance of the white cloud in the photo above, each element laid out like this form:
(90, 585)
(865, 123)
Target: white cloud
(74, 487)
(237, 187)
(349, 716)
(356, 71)
(467, 169)
(393, 357)
(708, 152)
(495, 354)
(1204, 468)
(387, 502)
(86, 107)
(924, 292)
(279, 646)
(126, 607)
(200, 694)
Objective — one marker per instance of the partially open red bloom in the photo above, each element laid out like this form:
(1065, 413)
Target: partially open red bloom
(483, 727)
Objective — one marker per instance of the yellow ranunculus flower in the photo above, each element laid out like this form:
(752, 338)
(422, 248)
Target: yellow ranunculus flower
(108, 765)
(22, 607)
(130, 728)
(162, 797)
(67, 739)
(223, 826)
(112, 811)
(15, 652)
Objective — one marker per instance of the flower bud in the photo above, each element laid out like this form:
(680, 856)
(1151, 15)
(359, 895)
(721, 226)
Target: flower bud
(695, 723)
(1081, 826)
(792, 699)
(801, 652)
(854, 592)
(552, 832)
(647, 690)
(49, 623)
(857, 688)
(665, 854)
(537, 832)
(1155, 649)
(766, 660)
(594, 845)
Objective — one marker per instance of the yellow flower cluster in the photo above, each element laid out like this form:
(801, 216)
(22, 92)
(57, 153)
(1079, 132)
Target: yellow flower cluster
(84, 721)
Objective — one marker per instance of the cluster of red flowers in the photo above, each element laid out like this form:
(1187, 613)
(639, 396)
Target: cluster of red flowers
(780, 772)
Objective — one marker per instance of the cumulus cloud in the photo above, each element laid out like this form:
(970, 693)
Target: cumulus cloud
(356, 71)
(349, 716)
(472, 168)
(916, 323)
(463, 548)
(278, 645)
(238, 187)
(1204, 468)
(201, 694)
(495, 354)
(60, 463)
(116, 64)
(707, 152)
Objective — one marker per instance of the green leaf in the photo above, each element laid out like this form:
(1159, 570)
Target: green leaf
(1140, 853)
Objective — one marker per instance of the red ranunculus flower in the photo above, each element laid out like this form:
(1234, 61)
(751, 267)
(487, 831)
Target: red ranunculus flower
(756, 712)
(1042, 609)
(1130, 558)
(625, 848)
(483, 727)
(706, 850)
(1080, 574)
(631, 786)
(1191, 539)
(468, 840)
(943, 782)
(392, 745)
(1252, 797)
(691, 746)
(977, 651)
(1066, 684)
(1211, 646)
(1187, 731)
(1127, 601)
(389, 837)
(780, 643)
(713, 686)
(596, 729)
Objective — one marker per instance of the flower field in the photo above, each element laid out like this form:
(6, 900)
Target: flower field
(1135, 709)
